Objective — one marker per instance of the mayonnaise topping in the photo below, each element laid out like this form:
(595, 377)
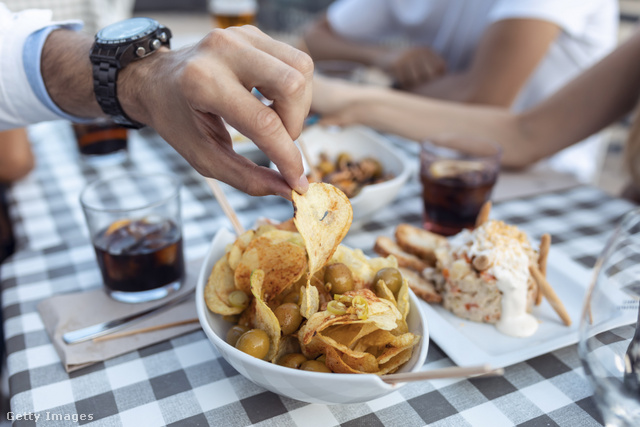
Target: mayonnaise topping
(508, 250)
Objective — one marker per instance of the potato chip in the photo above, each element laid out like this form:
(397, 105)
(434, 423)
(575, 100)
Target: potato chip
(348, 334)
(379, 311)
(394, 364)
(288, 344)
(309, 301)
(362, 268)
(316, 323)
(283, 264)
(336, 364)
(220, 284)
(383, 291)
(322, 216)
(366, 363)
(264, 317)
(402, 299)
(234, 254)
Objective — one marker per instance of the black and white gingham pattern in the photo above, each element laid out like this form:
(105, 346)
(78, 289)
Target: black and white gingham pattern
(184, 381)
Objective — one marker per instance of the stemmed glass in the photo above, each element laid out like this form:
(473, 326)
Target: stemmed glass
(610, 351)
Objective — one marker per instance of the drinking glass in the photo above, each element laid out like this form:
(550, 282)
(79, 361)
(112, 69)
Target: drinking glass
(610, 352)
(458, 173)
(232, 13)
(135, 227)
(102, 142)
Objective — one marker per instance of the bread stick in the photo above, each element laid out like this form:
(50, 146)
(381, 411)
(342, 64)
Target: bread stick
(483, 215)
(543, 253)
(550, 294)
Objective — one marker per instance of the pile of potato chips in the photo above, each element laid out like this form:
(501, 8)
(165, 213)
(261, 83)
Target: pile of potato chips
(362, 330)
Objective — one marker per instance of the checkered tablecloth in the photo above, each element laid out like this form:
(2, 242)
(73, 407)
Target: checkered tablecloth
(185, 382)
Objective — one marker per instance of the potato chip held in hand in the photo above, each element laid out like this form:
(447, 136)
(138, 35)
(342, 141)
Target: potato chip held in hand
(322, 216)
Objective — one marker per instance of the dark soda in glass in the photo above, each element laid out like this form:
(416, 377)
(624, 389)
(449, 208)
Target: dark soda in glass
(101, 139)
(453, 191)
(140, 255)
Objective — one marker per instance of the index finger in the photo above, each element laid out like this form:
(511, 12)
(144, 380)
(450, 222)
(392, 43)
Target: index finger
(290, 89)
(263, 126)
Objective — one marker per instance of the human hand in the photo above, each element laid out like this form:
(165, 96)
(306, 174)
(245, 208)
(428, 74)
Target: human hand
(413, 66)
(184, 95)
(337, 101)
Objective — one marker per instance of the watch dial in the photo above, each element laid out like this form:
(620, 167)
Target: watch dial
(127, 29)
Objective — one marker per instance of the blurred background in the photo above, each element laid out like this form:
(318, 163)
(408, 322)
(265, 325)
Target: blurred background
(285, 20)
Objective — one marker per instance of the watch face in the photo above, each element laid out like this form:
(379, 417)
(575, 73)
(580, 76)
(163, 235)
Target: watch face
(127, 30)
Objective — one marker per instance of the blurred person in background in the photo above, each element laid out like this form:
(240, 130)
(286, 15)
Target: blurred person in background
(598, 97)
(495, 52)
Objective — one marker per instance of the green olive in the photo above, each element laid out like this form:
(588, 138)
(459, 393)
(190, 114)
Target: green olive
(235, 332)
(291, 297)
(340, 278)
(314, 366)
(391, 276)
(238, 299)
(292, 360)
(289, 317)
(254, 342)
(231, 318)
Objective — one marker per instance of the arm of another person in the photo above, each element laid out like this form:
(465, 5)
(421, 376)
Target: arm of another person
(184, 95)
(409, 67)
(596, 98)
(507, 54)
(16, 158)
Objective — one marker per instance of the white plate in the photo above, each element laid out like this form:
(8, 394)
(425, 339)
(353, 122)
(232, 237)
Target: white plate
(471, 343)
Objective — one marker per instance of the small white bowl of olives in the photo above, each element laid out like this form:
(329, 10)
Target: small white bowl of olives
(359, 144)
(304, 385)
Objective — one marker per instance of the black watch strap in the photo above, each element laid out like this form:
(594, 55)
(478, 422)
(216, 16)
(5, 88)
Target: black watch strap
(105, 76)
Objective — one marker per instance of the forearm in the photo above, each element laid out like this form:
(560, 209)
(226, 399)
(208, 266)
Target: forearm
(595, 99)
(418, 118)
(322, 44)
(67, 74)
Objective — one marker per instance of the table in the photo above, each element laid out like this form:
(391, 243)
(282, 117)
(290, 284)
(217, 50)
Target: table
(184, 381)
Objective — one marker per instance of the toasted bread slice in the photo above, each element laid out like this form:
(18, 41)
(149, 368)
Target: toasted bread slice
(385, 246)
(421, 286)
(419, 242)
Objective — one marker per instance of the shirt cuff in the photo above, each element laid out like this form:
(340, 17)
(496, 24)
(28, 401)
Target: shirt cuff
(31, 58)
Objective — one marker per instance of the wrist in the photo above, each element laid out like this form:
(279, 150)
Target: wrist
(136, 84)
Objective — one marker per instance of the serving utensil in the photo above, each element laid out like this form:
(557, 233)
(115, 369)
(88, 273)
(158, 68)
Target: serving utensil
(123, 334)
(106, 328)
(451, 372)
(225, 205)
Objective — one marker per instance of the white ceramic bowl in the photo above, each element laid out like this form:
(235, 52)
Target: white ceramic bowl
(361, 142)
(312, 387)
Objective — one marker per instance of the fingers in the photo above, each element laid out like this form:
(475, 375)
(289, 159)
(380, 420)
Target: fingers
(238, 59)
(212, 155)
(264, 127)
(418, 65)
(284, 75)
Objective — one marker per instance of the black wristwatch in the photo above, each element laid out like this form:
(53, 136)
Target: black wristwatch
(115, 47)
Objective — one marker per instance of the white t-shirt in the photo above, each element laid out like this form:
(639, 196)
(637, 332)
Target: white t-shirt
(453, 28)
